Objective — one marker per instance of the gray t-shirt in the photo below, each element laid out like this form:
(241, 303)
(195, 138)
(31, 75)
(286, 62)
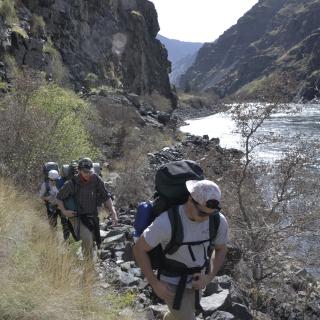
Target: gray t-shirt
(159, 232)
(53, 191)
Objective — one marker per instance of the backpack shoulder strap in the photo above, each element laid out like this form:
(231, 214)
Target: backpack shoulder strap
(47, 187)
(214, 223)
(177, 231)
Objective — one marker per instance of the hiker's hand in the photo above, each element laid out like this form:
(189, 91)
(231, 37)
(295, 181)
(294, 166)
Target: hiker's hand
(200, 281)
(114, 218)
(69, 213)
(163, 290)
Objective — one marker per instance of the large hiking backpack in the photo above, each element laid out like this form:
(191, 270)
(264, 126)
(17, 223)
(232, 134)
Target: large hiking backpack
(170, 189)
(49, 166)
(70, 170)
(46, 168)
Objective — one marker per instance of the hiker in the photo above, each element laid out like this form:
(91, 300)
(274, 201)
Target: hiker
(85, 190)
(48, 192)
(187, 271)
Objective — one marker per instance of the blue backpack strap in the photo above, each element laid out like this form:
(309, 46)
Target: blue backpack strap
(60, 182)
(177, 231)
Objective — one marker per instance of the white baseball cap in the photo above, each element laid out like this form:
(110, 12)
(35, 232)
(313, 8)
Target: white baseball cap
(53, 175)
(203, 190)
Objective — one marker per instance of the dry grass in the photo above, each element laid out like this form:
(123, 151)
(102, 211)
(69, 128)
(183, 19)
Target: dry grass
(40, 278)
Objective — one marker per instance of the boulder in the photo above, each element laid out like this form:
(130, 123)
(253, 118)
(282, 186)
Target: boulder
(221, 315)
(218, 301)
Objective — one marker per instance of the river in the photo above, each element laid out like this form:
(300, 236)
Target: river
(287, 126)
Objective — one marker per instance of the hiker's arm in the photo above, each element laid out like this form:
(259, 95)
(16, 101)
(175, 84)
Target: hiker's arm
(67, 213)
(216, 261)
(109, 205)
(42, 193)
(64, 193)
(107, 200)
(140, 252)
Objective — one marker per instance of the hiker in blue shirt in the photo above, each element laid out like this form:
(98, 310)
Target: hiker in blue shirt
(48, 193)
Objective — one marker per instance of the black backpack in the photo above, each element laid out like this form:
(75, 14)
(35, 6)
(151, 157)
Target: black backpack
(170, 184)
(49, 166)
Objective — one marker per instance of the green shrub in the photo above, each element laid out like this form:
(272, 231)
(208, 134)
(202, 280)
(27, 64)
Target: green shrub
(8, 12)
(59, 71)
(20, 31)
(42, 122)
(37, 24)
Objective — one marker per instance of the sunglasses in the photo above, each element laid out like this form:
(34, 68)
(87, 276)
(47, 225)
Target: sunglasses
(211, 204)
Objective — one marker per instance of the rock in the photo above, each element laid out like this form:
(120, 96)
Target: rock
(241, 311)
(211, 288)
(158, 311)
(225, 282)
(127, 279)
(218, 301)
(221, 315)
(107, 242)
(128, 255)
(164, 118)
(104, 234)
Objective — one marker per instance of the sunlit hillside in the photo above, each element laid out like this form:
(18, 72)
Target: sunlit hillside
(40, 278)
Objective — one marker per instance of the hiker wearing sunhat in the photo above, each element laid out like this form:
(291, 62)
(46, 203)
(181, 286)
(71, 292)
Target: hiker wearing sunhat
(48, 193)
(193, 265)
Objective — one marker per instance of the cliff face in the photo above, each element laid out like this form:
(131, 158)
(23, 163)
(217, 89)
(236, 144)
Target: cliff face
(275, 36)
(90, 43)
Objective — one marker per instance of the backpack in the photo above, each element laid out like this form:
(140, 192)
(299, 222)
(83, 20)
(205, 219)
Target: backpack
(69, 170)
(47, 167)
(170, 189)
(170, 193)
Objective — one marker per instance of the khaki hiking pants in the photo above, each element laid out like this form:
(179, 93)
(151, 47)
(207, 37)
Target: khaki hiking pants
(85, 235)
(187, 308)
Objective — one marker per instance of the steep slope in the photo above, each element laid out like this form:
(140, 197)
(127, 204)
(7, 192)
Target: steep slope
(181, 54)
(90, 43)
(275, 36)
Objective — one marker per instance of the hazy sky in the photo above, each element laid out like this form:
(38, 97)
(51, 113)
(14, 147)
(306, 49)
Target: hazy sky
(199, 20)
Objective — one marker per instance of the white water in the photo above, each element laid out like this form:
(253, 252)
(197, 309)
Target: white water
(287, 126)
(284, 125)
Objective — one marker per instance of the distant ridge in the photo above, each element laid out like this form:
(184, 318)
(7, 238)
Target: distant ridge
(274, 37)
(181, 54)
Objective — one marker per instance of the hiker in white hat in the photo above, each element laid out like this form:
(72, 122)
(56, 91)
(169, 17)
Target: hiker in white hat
(191, 265)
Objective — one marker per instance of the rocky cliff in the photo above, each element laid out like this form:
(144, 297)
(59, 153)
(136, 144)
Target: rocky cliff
(274, 37)
(86, 43)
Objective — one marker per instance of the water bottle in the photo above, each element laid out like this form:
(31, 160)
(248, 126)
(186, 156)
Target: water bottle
(142, 218)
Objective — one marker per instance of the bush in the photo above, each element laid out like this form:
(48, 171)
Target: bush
(59, 71)
(37, 24)
(8, 12)
(40, 277)
(42, 122)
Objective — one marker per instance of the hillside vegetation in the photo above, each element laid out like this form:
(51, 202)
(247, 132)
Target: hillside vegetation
(40, 277)
(275, 36)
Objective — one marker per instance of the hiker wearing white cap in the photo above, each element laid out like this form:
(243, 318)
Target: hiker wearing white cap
(48, 193)
(193, 265)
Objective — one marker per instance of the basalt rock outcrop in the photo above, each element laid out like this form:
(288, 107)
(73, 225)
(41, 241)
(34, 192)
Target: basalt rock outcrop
(275, 37)
(87, 43)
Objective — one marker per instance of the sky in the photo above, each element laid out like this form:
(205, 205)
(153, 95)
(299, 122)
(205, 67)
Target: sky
(199, 20)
